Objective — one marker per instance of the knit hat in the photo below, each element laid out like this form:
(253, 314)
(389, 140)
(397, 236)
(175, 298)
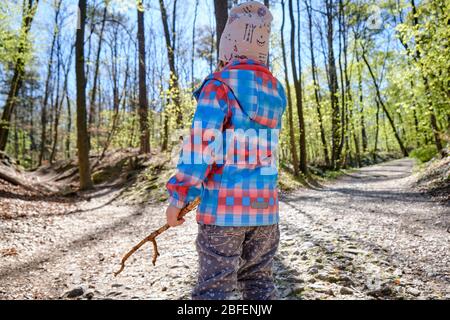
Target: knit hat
(247, 32)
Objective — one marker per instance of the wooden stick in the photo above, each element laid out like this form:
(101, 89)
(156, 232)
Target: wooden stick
(152, 237)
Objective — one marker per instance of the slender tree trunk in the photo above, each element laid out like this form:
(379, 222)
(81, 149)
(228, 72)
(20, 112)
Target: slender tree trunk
(134, 102)
(60, 105)
(16, 136)
(417, 134)
(82, 134)
(165, 140)
(341, 85)
(350, 124)
(32, 130)
(335, 115)
(56, 102)
(143, 102)
(364, 139)
(69, 125)
(316, 85)
(92, 106)
(293, 147)
(211, 52)
(174, 31)
(221, 13)
(386, 139)
(47, 92)
(100, 101)
(165, 122)
(357, 146)
(193, 46)
(383, 106)
(298, 94)
(93, 15)
(174, 86)
(29, 11)
(377, 130)
(117, 98)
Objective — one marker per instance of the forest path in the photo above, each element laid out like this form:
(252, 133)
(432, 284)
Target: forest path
(367, 234)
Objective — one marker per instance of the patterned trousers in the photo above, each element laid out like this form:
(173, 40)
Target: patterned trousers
(236, 257)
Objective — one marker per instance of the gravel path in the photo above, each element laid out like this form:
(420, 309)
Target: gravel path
(367, 235)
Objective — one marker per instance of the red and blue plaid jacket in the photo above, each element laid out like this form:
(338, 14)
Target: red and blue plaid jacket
(229, 159)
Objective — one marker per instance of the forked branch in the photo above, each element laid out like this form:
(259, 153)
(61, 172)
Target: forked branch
(152, 237)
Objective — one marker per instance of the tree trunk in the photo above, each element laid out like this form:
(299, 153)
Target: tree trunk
(16, 136)
(117, 98)
(343, 96)
(174, 86)
(56, 102)
(364, 139)
(32, 131)
(221, 13)
(316, 85)
(298, 94)
(91, 118)
(69, 125)
(82, 134)
(293, 147)
(174, 31)
(60, 105)
(383, 106)
(193, 46)
(377, 129)
(47, 90)
(143, 102)
(29, 11)
(332, 75)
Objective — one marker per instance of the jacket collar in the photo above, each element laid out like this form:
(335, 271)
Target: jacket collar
(239, 64)
(246, 64)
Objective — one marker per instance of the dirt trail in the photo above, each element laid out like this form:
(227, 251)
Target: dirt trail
(367, 235)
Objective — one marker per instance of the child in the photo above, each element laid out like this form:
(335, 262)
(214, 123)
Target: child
(229, 161)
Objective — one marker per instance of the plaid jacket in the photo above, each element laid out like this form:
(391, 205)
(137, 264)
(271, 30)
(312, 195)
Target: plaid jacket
(234, 173)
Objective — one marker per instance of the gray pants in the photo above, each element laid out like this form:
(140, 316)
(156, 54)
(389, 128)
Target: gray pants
(231, 257)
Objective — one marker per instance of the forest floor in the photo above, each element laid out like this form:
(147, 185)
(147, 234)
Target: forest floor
(366, 235)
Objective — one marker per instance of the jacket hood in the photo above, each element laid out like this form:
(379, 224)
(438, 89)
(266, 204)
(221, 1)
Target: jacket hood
(259, 94)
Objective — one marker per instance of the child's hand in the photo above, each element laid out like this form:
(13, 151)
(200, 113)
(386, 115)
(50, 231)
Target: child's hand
(172, 216)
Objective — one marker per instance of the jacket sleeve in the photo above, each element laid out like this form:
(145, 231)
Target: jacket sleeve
(192, 169)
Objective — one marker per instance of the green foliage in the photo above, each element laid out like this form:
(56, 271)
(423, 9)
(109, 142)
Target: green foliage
(429, 49)
(8, 36)
(425, 153)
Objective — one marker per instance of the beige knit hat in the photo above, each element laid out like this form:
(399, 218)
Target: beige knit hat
(247, 32)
